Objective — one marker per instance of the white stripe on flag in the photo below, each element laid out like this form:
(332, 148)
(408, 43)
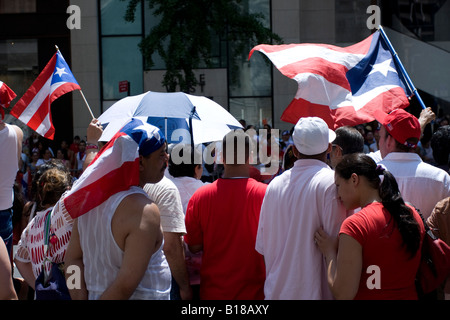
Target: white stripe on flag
(34, 105)
(55, 86)
(318, 90)
(44, 126)
(303, 52)
(360, 101)
(100, 168)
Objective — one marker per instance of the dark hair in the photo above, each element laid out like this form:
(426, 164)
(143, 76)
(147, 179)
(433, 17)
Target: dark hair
(440, 143)
(410, 143)
(52, 184)
(363, 165)
(183, 169)
(53, 163)
(349, 139)
(236, 139)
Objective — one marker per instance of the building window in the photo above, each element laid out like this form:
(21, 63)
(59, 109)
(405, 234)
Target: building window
(120, 54)
(250, 81)
(351, 19)
(17, 6)
(19, 63)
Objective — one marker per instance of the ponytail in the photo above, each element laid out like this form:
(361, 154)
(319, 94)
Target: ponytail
(363, 165)
(400, 212)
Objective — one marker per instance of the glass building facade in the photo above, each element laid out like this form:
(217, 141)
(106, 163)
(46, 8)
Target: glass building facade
(249, 89)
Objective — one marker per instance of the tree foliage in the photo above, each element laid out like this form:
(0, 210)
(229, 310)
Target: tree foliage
(183, 37)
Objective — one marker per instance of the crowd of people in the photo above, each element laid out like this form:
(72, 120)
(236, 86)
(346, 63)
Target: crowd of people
(338, 203)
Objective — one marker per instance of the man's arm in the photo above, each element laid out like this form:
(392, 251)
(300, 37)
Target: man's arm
(426, 116)
(174, 251)
(93, 133)
(194, 236)
(19, 134)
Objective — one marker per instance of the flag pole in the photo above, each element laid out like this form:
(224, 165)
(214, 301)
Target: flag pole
(402, 69)
(81, 91)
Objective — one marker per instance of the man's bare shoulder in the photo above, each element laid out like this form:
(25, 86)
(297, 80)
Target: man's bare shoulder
(137, 206)
(136, 213)
(18, 130)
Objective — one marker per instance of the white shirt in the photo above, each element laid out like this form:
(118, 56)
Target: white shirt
(166, 196)
(102, 257)
(9, 165)
(296, 204)
(376, 156)
(420, 183)
(187, 186)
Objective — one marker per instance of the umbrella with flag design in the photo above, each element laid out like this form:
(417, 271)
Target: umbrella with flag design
(343, 86)
(198, 117)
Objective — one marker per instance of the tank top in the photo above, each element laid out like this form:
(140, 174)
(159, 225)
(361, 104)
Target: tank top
(9, 165)
(102, 257)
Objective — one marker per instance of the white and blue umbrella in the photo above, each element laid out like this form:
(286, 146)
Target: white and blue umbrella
(202, 119)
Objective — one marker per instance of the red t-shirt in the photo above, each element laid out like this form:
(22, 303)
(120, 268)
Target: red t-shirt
(223, 216)
(374, 228)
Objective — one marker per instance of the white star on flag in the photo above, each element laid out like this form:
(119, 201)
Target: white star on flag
(383, 67)
(60, 71)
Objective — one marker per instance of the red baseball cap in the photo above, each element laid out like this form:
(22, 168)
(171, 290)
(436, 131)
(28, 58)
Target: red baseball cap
(400, 124)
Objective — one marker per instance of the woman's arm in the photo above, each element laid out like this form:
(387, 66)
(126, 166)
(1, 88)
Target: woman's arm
(7, 291)
(344, 264)
(74, 258)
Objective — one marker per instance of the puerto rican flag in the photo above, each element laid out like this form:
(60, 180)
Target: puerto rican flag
(343, 86)
(33, 108)
(6, 96)
(114, 169)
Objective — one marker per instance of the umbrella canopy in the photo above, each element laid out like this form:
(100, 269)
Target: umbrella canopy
(171, 111)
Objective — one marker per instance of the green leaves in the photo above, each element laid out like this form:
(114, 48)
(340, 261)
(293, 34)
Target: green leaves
(183, 37)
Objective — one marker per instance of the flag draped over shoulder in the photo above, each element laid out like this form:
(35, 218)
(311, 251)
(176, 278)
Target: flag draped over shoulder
(114, 169)
(6, 96)
(33, 108)
(343, 86)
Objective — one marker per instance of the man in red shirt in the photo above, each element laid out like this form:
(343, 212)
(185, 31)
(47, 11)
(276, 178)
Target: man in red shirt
(222, 220)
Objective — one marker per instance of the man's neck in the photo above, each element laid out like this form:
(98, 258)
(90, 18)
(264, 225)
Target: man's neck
(236, 171)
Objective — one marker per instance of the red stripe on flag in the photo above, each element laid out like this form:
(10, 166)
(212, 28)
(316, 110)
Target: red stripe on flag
(107, 146)
(50, 134)
(333, 72)
(345, 116)
(37, 85)
(93, 195)
(358, 48)
(299, 108)
(40, 114)
(63, 89)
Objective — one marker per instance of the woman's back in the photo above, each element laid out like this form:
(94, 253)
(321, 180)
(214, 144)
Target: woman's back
(388, 270)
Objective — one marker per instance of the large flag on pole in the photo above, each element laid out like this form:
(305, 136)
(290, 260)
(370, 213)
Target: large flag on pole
(33, 108)
(343, 86)
(6, 96)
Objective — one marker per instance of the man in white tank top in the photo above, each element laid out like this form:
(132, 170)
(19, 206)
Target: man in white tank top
(11, 137)
(118, 245)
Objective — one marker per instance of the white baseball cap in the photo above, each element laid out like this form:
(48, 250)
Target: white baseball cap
(311, 136)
